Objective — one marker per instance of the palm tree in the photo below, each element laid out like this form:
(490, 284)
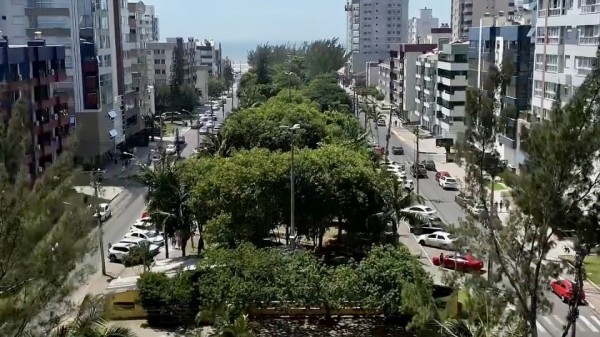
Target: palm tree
(163, 182)
(239, 328)
(89, 322)
(214, 146)
(396, 198)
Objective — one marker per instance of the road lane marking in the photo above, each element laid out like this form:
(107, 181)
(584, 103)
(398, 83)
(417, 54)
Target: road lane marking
(540, 327)
(560, 320)
(595, 320)
(549, 321)
(589, 324)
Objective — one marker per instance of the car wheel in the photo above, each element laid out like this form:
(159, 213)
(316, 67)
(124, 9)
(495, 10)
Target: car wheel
(562, 298)
(422, 243)
(112, 258)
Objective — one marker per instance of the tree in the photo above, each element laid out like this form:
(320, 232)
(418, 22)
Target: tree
(324, 91)
(43, 240)
(89, 322)
(166, 198)
(228, 77)
(216, 87)
(556, 191)
(324, 57)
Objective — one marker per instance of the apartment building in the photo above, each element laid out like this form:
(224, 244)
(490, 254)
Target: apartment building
(142, 29)
(467, 13)
(372, 27)
(97, 58)
(439, 35)
(441, 90)
(209, 56)
(30, 72)
(503, 39)
(160, 60)
(420, 27)
(398, 84)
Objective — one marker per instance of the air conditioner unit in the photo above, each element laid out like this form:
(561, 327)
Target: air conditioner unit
(20, 77)
(39, 147)
(40, 169)
(52, 72)
(37, 123)
(56, 116)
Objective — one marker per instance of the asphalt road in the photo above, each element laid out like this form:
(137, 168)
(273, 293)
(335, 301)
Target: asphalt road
(549, 325)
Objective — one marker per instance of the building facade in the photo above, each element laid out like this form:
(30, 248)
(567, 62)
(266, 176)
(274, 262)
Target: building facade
(439, 35)
(160, 60)
(504, 40)
(98, 60)
(419, 28)
(210, 56)
(441, 90)
(30, 73)
(467, 13)
(402, 90)
(372, 27)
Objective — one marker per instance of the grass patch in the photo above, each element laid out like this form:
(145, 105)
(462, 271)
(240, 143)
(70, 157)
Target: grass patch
(592, 268)
(169, 129)
(498, 186)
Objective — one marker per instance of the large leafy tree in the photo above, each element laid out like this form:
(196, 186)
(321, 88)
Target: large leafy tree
(227, 73)
(324, 91)
(216, 87)
(44, 233)
(325, 56)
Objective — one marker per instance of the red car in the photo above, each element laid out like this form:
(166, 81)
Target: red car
(565, 290)
(458, 262)
(440, 174)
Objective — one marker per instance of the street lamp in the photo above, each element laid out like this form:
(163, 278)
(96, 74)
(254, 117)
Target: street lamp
(292, 129)
(96, 182)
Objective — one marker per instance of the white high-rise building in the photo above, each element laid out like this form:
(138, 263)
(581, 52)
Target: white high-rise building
(468, 13)
(420, 27)
(567, 39)
(373, 25)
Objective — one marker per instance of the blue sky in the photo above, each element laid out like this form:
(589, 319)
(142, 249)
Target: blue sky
(265, 20)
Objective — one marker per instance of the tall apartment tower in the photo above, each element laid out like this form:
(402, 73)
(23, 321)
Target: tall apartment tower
(97, 59)
(420, 27)
(142, 30)
(372, 27)
(468, 13)
(160, 59)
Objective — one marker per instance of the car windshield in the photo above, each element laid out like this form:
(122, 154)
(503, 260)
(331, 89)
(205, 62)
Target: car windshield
(450, 237)
(151, 234)
(450, 180)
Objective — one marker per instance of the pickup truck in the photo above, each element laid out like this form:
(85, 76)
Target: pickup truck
(418, 171)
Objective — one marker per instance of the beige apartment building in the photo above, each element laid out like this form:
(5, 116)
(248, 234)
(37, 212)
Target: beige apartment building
(468, 13)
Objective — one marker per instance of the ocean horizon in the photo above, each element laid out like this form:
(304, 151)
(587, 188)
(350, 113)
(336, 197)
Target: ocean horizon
(237, 51)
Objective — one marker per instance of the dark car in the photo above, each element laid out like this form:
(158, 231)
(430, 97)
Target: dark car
(418, 171)
(427, 226)
(197, 125)
(397, 150)
(381, 122)
(429, 164)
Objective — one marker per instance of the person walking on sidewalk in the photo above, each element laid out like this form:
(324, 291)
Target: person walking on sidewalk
(507, 203)
(501, 205)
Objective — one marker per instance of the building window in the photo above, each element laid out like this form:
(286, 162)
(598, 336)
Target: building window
(537, 88)
(551, 63)
(156, 71)
(585, 65)
(567, 62)
(589, 35)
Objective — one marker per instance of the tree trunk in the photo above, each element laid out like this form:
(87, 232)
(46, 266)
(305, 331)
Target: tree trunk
(166, 246)
(321, 235)
(152, 126)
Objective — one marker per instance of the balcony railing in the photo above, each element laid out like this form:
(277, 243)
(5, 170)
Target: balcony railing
(590, 9)
(589, 40)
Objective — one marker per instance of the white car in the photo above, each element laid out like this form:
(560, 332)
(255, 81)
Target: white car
(118, 251)
(217, 127)
(394, 167)
(477, 209)
(203, 130)
(420, 209)
(171, 149)
(151, 236)
(209, 125)
(442, 240)
(448, 183)
(103, 212)
(143, 224)
(140, 241)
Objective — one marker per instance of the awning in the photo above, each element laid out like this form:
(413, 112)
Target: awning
(113, 133)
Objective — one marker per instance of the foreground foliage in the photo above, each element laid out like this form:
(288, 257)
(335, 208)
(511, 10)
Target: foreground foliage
(42, 239)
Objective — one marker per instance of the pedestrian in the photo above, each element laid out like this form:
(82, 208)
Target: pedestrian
(501, 205)
(507, 203)
(441, 257)
(173, 242)
(496, 205)
(200, 244)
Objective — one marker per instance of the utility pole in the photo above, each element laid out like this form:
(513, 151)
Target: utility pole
(573, 314)
(96, 182)
(391, 98)
(416, 163)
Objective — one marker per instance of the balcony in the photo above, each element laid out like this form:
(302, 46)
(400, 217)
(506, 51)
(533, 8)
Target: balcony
(590, 9)
(507, 141)
(457, 96)
(457, 81)
(43, 77)
(60, 75)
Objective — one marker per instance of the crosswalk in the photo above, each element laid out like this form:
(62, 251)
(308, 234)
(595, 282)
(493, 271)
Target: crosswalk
(551, 324)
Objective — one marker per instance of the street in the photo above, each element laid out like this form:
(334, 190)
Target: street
(549, 325)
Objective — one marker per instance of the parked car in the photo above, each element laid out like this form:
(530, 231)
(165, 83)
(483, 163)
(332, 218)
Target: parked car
(143, 224)
(443, 240)
(217, 127)
(151, 236)
(171, 149)
(197, 125)
(439, 174)
(118, 251)
(428, 225)
(429, 164)
(564, 289)
(203, 130)
(397, 150)
(418, 171)
(458, 262)
(103, 212)
(420, 209)
(154, 249)
(381, 122)
(448, 183)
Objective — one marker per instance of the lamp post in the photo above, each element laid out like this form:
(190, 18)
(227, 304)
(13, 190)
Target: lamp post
(292, 129)
(96, 182)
